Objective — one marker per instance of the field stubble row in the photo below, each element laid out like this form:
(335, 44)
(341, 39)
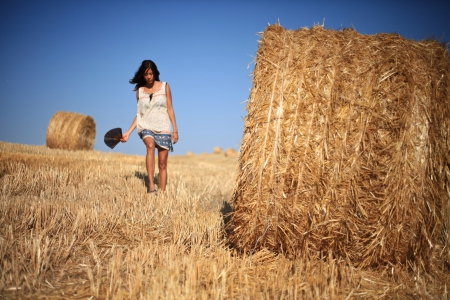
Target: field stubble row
(79, 224)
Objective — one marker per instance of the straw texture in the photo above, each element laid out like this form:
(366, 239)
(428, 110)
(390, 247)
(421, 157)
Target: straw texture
(345, 147)
(71, 131)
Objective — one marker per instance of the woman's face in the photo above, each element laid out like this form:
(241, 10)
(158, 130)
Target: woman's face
(148, 75)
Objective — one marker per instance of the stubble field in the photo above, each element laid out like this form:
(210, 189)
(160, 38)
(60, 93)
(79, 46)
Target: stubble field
(79, 225)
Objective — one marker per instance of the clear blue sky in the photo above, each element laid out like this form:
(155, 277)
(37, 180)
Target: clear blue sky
(79, 55)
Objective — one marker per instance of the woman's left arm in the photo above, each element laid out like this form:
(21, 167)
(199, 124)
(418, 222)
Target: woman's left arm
(171, 113)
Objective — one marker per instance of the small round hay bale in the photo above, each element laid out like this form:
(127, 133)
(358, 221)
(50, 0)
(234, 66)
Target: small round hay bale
(217, 150)
(230, 152)
(190, 153)
(345, 147)
(71, 131)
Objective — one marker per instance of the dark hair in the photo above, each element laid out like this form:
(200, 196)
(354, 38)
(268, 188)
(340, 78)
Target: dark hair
(139, 79)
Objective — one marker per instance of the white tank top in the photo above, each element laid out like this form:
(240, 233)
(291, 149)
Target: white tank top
(152, 114)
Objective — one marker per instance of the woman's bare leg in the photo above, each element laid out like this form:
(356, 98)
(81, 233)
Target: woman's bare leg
(150, 161)
(163, 155)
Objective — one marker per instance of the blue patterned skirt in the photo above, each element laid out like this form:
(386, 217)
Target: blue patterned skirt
(164, 140)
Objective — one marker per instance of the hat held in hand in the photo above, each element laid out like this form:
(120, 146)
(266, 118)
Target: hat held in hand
(112, 137)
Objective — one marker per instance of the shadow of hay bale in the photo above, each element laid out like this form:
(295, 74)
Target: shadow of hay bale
(345, 147)
(226, 212)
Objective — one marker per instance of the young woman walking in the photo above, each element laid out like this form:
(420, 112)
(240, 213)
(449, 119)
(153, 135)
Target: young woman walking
(155, 121)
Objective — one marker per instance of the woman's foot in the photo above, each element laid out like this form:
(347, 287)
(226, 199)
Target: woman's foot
(151, 191)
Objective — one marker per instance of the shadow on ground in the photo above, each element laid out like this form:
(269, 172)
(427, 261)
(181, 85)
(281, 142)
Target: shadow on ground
(144, 177)
(226, 211)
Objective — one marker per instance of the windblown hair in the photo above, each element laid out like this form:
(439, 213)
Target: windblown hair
(139, 79)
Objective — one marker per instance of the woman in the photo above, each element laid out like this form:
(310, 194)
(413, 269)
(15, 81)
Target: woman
(154, 120)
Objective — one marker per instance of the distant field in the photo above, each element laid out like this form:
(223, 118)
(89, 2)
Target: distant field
(79, 225)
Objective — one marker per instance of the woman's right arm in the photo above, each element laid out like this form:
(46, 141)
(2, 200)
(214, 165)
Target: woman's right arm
(126, 135)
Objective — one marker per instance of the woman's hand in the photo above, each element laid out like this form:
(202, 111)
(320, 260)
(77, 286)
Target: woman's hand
(125, 137)
(175, 137)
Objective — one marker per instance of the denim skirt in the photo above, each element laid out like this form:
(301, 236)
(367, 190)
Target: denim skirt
(164, 140)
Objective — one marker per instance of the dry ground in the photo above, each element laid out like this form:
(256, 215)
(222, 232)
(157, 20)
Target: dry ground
(79, 225)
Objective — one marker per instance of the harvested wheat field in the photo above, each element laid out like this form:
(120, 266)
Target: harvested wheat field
(78, 225)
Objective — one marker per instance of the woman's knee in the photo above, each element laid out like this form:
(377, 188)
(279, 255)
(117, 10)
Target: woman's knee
(150, 145)
(162, 164)
(163, 155)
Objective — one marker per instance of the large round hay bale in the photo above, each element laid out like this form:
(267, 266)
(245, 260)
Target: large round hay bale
(71, 131)
(345, 146)
(217, 150)
(230, 152)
